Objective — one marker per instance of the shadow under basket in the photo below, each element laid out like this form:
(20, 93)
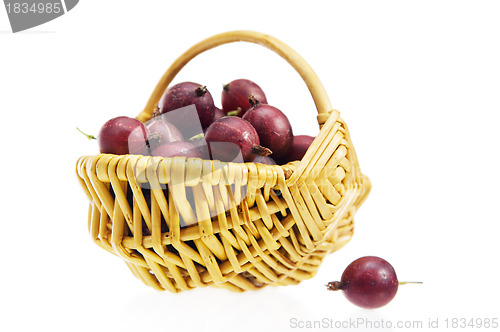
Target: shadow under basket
(183, 223)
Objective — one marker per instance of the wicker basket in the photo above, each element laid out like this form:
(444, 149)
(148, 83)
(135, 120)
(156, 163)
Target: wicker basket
(252, 225)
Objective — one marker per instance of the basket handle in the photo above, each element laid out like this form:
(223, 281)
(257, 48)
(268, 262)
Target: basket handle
(293, 58)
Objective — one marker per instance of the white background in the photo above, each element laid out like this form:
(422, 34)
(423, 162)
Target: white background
(417, 82)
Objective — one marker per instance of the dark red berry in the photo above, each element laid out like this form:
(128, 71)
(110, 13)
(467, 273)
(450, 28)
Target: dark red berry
(200, 143)
(273, 128)
(162, 132)
(123, 135)
(300, 144)
(177, 149)
(230, 136)
(218, 114)
(369, 282)
(235, 96)
(185, 94)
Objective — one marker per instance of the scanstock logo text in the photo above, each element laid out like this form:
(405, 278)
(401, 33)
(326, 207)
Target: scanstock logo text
(26, 14)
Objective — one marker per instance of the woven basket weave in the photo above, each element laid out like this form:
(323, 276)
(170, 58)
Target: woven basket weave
(251, 225)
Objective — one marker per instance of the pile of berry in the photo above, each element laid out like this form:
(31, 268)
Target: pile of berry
(187, 123)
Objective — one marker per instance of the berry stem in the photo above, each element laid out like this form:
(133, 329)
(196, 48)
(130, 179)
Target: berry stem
(410, 282)
(90, 137)
(259, 150)
(253, 101)
(334, 285)
(201, 135)
(235, 112)
(200, 91)
(156, 112)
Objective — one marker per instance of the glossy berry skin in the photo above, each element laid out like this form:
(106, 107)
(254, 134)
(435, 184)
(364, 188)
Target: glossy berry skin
(235, 130)
(177, 149)
(185, 94)
(201, 145)
(273, 128)
(235, 96)
(123, 135)
(162, 132)
(369, 282)
(218, 114)
(299, 147)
